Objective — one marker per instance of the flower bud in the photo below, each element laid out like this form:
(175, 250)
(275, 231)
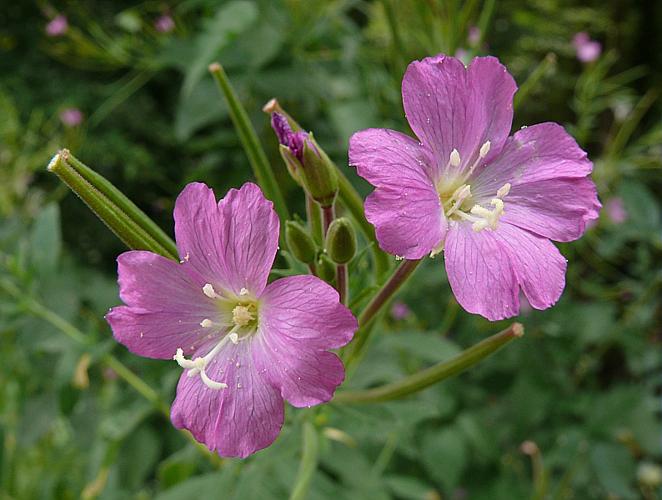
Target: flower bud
(299, 242)
(318, 173)
(341, 241)
(306, 161)
(326, 269)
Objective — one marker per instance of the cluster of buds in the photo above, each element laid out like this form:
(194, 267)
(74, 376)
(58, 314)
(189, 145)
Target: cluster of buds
(312, 169)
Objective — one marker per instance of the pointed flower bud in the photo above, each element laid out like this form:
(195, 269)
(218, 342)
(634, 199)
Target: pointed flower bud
(341, 241)
(299, 242)
(306, 161)
(326, 269)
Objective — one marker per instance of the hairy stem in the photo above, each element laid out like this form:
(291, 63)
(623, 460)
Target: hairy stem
(436, 373)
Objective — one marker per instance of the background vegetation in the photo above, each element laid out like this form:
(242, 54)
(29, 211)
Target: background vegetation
(572, 410)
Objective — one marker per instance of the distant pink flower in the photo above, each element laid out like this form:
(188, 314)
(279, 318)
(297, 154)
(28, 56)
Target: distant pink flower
(164, 24)
(245, 345)
(58, 26)
(473, 36)
(71, 117)
(587, 50)
(490, 202)
(616, 210)
(400, 311)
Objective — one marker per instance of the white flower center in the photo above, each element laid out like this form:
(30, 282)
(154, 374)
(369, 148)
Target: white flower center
(244, 324)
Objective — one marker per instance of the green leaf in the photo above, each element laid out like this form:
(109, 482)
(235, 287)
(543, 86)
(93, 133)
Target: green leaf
(46, 240)
(615, 469)
(445, 455)
(205, 486)
(230, 20)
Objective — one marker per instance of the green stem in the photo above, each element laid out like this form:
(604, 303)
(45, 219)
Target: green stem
(256, 155)
(120, 215)
(380, 299)
(328, 214)
(354, 205)
(342, 283)
(533, 79)
(140, 386)
(308, 464)
(629, 126)
(430, 376)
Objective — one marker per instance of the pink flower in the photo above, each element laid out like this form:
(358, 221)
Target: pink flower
(490, 202)
(58, 26)
(164, 24)
(473, 37)
(400, 311)
(587, 50)
(245, 345)
(71, 117)
(616, 210)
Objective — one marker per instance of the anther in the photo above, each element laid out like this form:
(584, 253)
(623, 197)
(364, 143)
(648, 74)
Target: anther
(503, 190)
(209, 291)
(485, 149)
(455, 158)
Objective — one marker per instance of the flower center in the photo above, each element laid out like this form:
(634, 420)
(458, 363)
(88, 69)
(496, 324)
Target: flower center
(243, 325)
(460, 205)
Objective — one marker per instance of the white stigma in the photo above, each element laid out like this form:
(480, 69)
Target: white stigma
(198, 365)
(243, 292)
(455, 158)
(206, 323)
(209, 291)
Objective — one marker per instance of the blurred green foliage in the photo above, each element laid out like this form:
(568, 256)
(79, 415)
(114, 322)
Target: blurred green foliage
(581, 389)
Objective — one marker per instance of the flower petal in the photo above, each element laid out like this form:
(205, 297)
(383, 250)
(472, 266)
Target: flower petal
(250, 238)
(452, 107)
(198, 234)
(480, 273)
(300, 317)
(164, 307)
(537, 263)
(405, 208)
(487, 268)
(537, 153)
(231, 245)
(385, 157)
(238, 420)
(558, 209)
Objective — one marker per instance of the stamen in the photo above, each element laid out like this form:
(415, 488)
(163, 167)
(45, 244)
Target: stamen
(455, 158)
(503, 190)
(484, 149)
(209, 291)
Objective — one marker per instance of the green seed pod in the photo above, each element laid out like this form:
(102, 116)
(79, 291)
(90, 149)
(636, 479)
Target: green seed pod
(299, 242)
(326, 269)
(341, 241)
